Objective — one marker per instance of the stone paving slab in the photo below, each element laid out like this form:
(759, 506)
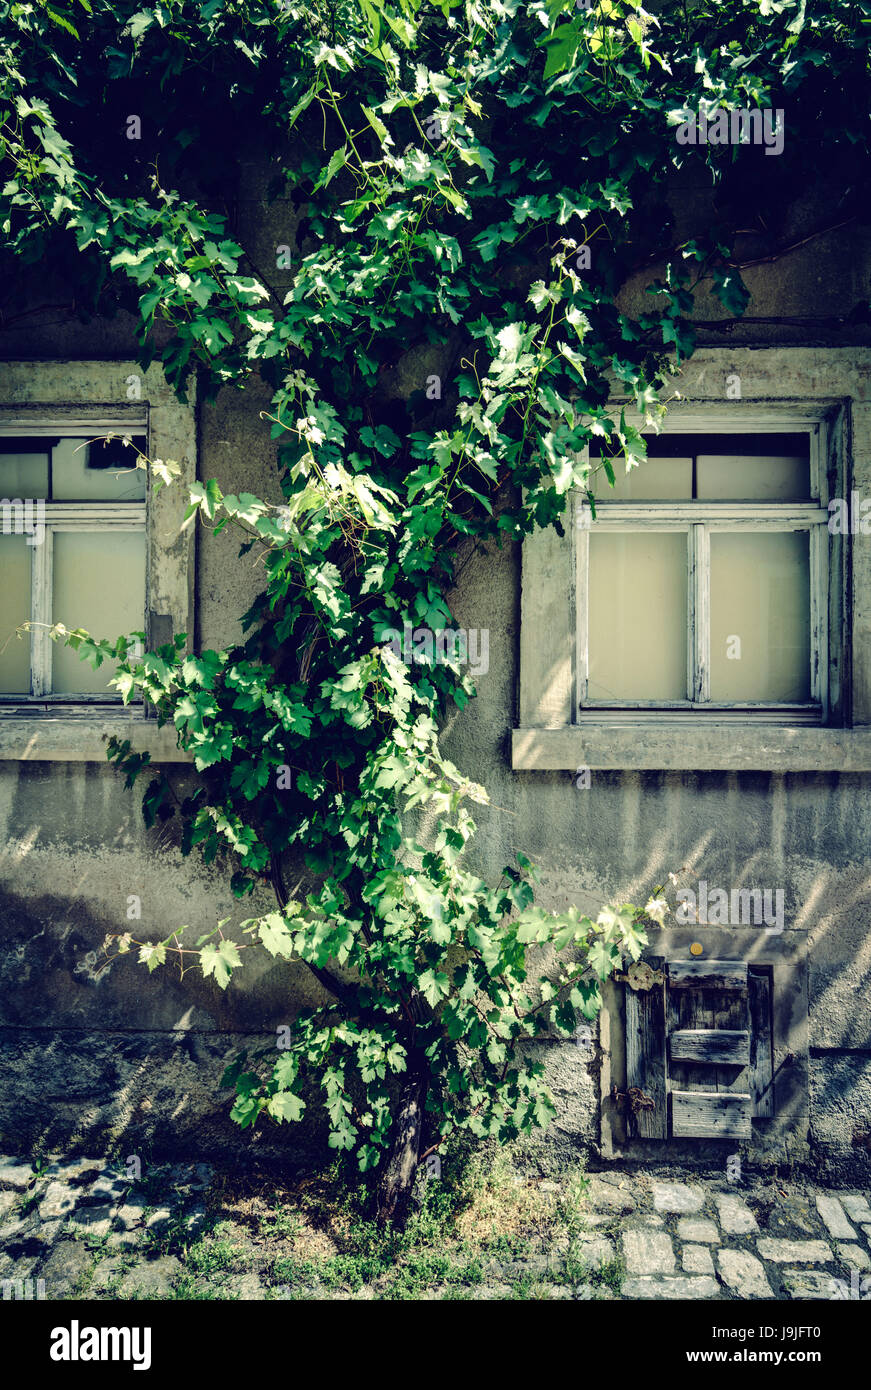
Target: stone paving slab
(15, 1173)
(648, 1252)
(677, 1196)
(95, 1221)
(833, 1215)
(697, 1259)
(151, 1277)
(613, 1197)
(784, 1252)
(809, 1284)
(131, 1213)
(675, 1286)
(159, 1222)
(596, 1252)
(856, 1206)
(703, 1231)
(59, 1200)
(735, 1217)
(744, 1274)
(854, 1255)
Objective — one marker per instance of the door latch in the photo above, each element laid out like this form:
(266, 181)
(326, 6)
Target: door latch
(636, 1098)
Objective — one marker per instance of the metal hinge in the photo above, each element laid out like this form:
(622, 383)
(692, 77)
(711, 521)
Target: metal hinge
(642, 976)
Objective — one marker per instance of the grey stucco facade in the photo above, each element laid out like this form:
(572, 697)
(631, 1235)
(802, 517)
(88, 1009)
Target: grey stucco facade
(110, 1057)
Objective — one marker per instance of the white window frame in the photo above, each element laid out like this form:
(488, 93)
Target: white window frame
(90, 396)
(698, 519)
(826, 386)
(97, 517)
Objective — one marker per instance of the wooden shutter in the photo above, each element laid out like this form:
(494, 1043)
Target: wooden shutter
(699, 1050)
(646, 1058)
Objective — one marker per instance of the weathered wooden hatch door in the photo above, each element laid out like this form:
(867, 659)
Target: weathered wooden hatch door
(698, 1048)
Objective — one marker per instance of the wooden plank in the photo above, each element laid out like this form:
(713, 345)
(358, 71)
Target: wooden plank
(711, 1115)
(732, 1014)
(691, 1010)
(730, 1045)
(707, 974)
(645, 1060)
(677, 1076)
(705, 1011)
(761, 1069)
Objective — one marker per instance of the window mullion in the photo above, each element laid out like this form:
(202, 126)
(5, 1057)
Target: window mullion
(40, 642)
(699, 625)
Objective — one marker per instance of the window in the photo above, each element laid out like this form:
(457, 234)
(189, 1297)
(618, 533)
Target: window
(111, 557)
(72, 550)
(627, 651)
(702, 583)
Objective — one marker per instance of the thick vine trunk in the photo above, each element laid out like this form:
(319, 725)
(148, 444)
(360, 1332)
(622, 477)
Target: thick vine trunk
(397, 1181)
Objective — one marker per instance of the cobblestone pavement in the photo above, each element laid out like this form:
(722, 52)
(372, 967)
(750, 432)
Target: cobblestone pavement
(80, 1230)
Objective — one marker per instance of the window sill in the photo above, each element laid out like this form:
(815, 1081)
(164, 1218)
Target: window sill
(681, 745)
(82, 737)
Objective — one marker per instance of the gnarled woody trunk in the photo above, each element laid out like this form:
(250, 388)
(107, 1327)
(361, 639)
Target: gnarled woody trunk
(397, 1181)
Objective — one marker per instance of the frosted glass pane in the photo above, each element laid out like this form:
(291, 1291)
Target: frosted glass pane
(760, 616)
(782, 477)
(24, 475)
(638, 616)
(99, 584)
(84, 472)
(15, 555)
(652, 479)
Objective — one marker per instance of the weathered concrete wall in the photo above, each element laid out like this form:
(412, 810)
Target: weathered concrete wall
(114, 1057)
(95, 1053)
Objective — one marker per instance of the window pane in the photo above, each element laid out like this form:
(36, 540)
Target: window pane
(653, 479)
(15, 558)
(638, 616)
(760, 616)
(83, 471)
(25, 472)
(772, 477)
(99, 584)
